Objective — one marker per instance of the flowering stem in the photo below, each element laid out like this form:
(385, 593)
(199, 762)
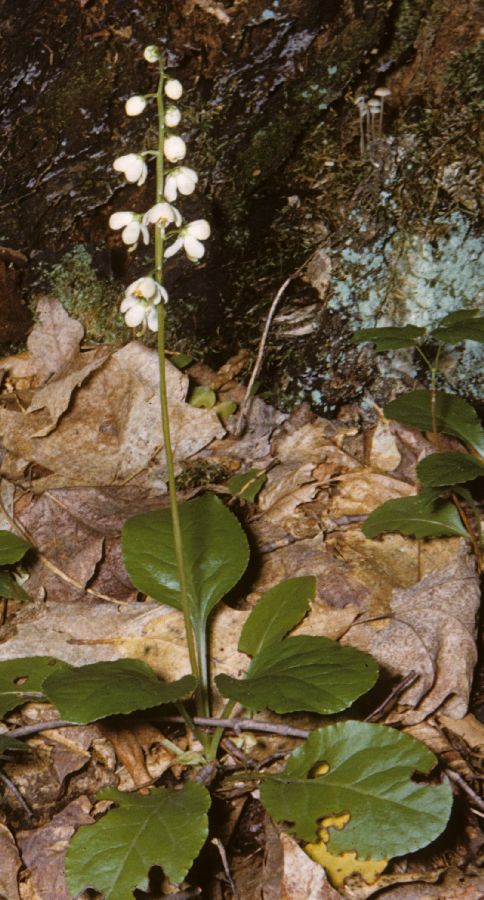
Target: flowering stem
(165, 417)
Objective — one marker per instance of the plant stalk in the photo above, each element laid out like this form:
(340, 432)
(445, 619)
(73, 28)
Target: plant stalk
(165, 416)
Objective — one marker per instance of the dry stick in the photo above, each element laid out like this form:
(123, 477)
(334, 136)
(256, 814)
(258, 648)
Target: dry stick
(458, 779)
(242, 417)
(223, 856)
(15, 791)
(404, 683)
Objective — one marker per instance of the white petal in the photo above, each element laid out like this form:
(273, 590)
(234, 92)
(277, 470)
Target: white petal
(147, 287)
(127, 303)
(185, 183)
(164, 293)
(144, 233)
(135, 105)
(173, 89)
(174, 148)
(199, 229)
(152, 319)
(119, 164)
(131, 233)
(144, 173)
(193, 248)
(170, 188)
(120, 219)
(170, 251)
(161, 213)
(172, 117)
(135, 315)
(151, 53)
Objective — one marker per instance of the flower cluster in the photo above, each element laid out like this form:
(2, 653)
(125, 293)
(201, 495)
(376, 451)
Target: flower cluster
(141, 299)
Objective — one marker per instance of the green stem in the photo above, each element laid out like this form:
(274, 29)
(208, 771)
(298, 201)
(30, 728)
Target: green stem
(165, 416)
(218, 733)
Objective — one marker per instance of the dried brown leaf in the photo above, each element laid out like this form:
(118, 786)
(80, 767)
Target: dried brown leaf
(55, 339)
(10, 863)
(43, 849)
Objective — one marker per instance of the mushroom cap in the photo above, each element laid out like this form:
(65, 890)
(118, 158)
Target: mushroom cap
(382, 92)
(360, 99)
(374, 105)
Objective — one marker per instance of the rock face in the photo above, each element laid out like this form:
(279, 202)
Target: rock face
(385, 219)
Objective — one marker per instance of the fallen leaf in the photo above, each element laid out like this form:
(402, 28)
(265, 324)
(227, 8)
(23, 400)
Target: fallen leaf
(430, 629)
(10, 863)
(384, 452)
(43, 849)
(302, 878)
(54, 340)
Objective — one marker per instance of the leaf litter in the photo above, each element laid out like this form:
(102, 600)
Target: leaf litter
(83, 451)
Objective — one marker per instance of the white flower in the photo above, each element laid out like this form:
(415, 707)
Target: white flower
(151, 53)
(162, 214)
(173, 89)
(140, 302)
(181, 179)
(133, 167)
(190, 238)
(174, 148)
(172, 117)
(135, 105)
(133, 227)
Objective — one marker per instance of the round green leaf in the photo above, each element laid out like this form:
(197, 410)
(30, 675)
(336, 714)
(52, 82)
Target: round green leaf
(276, 613)
(86, 693)
(12, 548)
(367, 771)
(303, 673)
(167, 828)
(417, 517)
(453, 415)
(202, 397)
(449, 468)
(21, 677)
(215, 551)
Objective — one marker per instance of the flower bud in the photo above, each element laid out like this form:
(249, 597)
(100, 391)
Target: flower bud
(151, 54)
(172, 117)
(173, 89)
(135, 105)
(174, 148)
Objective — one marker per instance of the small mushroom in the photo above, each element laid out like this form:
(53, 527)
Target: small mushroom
(381, 93)
(360, 102)
(374, 107)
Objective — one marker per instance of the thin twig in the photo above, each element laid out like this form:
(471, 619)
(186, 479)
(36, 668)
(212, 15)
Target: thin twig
(245, 405)
(395, 692)
(27, 730)
(238, 725)
(459, 780)
(223, 856)
(18, 796)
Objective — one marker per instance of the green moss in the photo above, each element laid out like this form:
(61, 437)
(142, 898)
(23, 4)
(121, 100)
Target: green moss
(87, 296)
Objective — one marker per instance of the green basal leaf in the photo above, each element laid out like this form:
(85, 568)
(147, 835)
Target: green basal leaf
(180, 360)
(469, 330)
(12, 548)
(247, 485)
(21, 677)
(276, 613)
(418, 517)
(453, 415)
(313, 674)
(9, 589)
(225, 409)
(202, 397)
(389, 338)
(166, 828)
(86, 693)
(9, 746)
(367, 771)
(449, 468)
(215, 548)
(459, 315)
